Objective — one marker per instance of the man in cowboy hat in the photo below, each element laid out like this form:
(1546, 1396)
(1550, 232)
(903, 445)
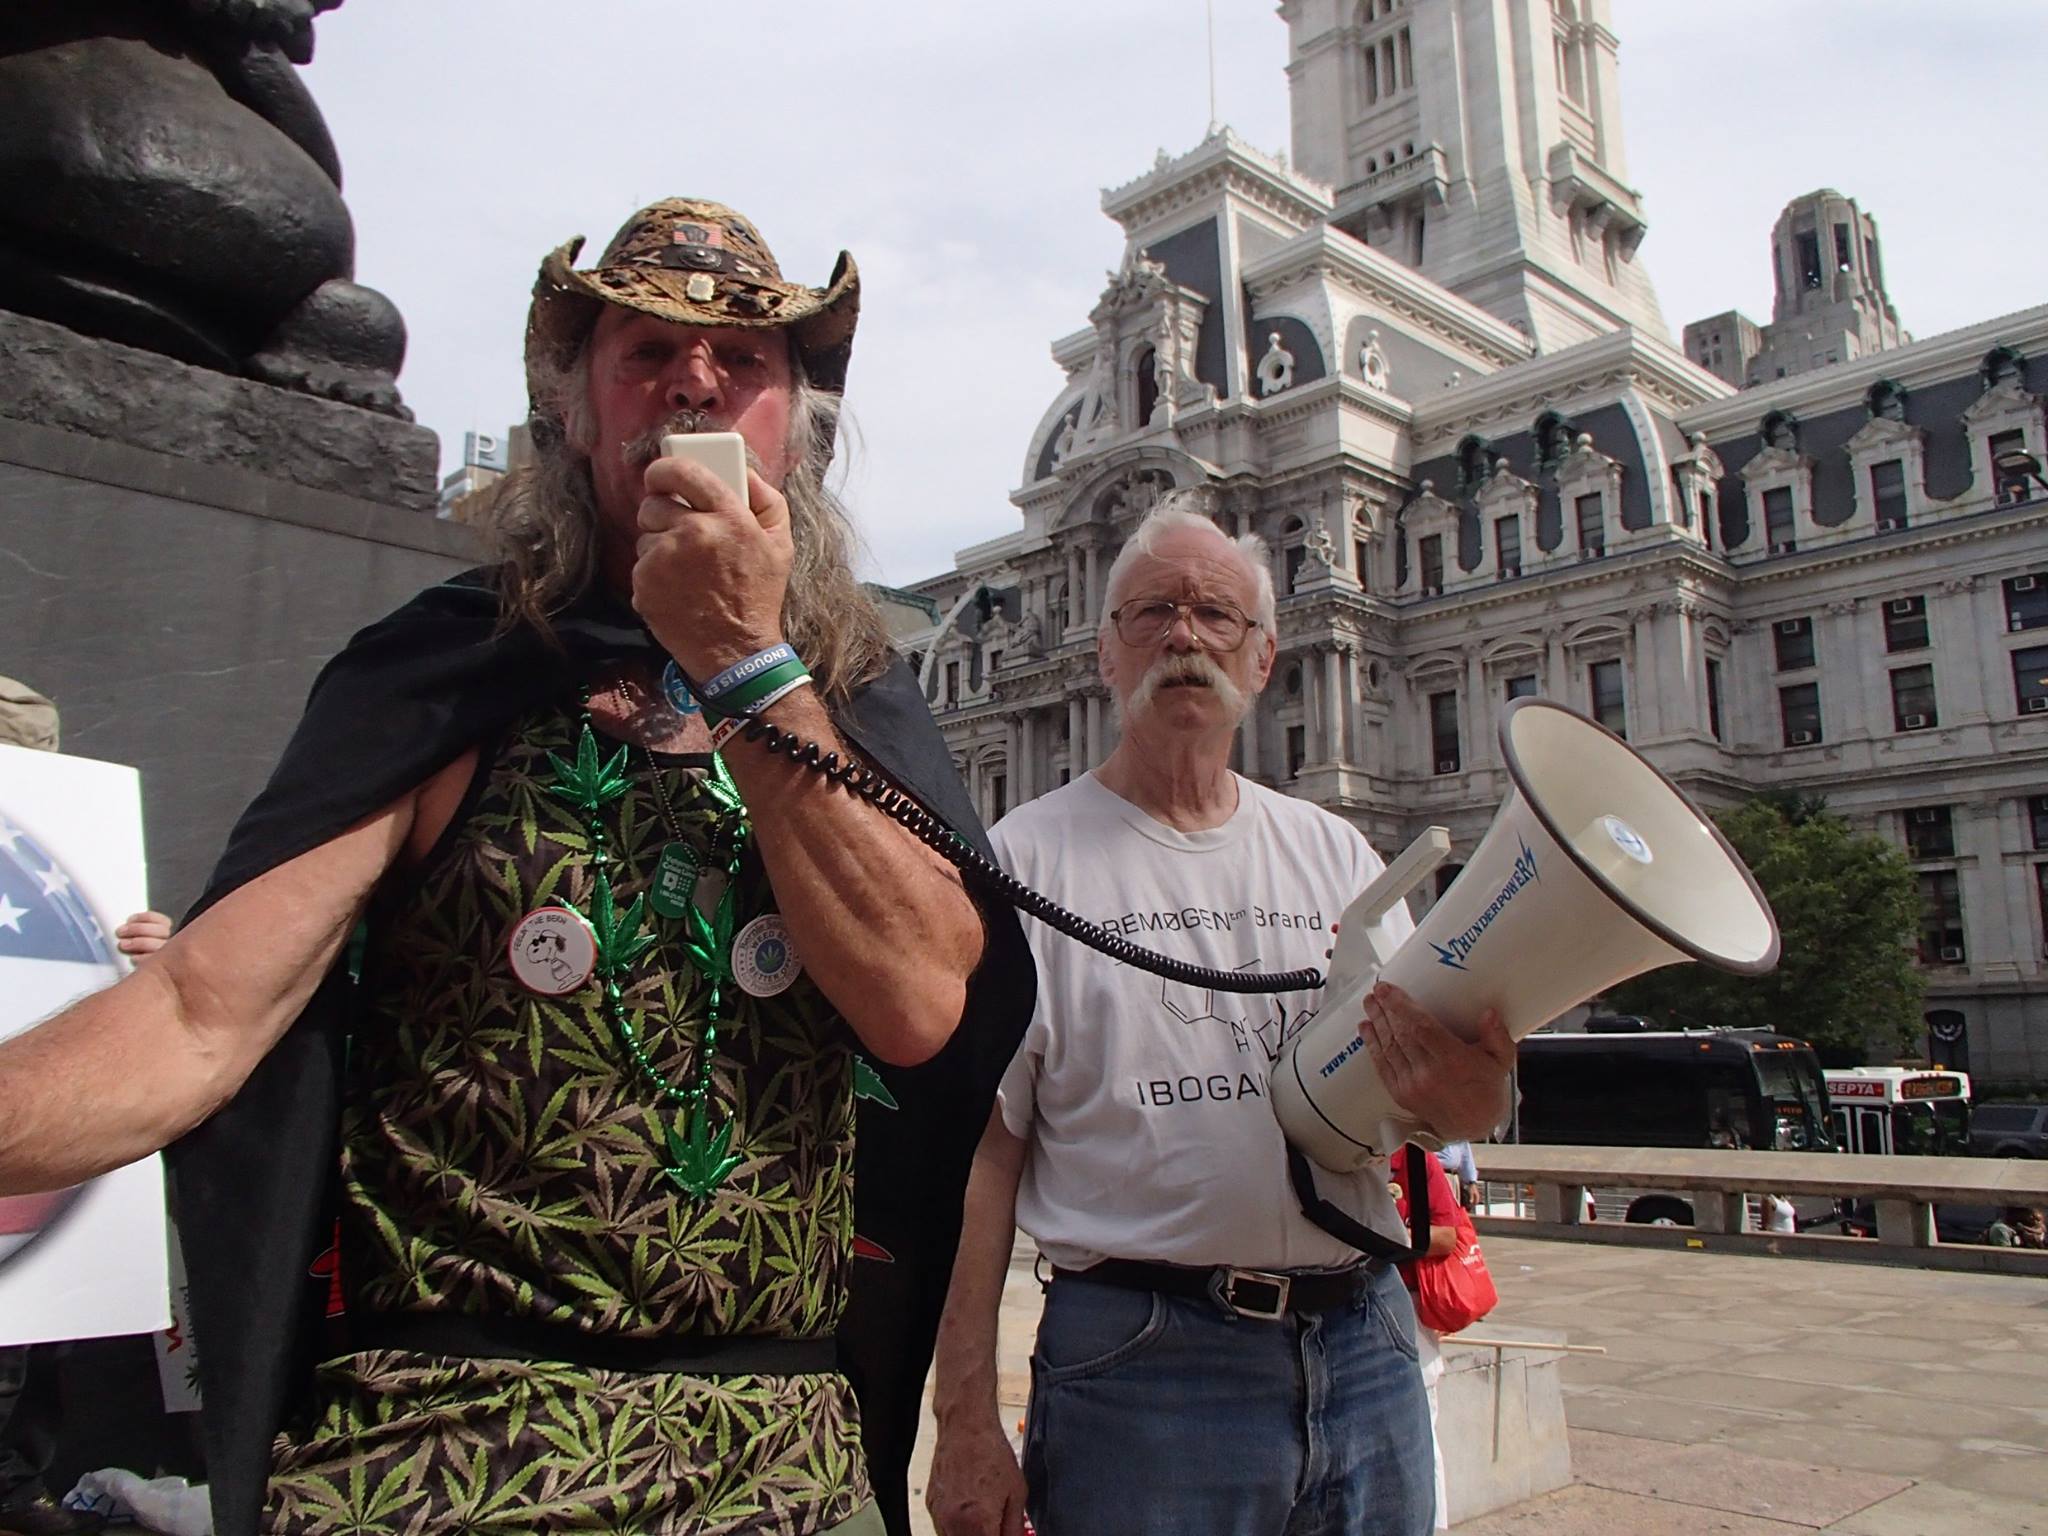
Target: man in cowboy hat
(595, 1225)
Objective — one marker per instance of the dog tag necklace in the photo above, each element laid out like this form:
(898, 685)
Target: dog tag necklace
(699, 1155)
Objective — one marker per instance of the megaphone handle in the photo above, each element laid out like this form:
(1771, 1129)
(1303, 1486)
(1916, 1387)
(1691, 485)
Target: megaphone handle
(1348, 1229)
(1411, 866)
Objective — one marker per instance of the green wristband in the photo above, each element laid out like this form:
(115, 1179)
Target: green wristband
(753, 694)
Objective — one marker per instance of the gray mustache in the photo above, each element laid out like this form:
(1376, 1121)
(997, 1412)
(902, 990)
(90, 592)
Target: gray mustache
(641, 451)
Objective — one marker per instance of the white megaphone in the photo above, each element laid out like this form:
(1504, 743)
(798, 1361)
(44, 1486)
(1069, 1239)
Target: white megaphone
(1595, 869)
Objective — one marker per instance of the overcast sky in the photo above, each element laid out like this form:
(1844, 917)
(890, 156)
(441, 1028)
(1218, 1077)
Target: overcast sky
(959, 151)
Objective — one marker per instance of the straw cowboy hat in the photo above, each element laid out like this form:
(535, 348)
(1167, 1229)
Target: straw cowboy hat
(694, 262)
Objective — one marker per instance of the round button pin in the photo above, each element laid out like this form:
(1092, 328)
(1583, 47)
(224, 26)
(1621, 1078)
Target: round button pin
(552, 951)
(764, 959)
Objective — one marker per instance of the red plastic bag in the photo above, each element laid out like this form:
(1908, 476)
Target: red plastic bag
(1455, 1291)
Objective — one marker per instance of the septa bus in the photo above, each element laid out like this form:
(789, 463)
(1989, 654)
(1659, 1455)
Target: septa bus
(1736, 1088)
(1914, 1111)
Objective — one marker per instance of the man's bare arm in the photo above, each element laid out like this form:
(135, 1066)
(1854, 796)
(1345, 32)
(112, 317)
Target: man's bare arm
(128, 1070)
(977, 1488)
(881, 922)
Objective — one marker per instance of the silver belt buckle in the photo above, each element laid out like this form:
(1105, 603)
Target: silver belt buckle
(1232, 1284)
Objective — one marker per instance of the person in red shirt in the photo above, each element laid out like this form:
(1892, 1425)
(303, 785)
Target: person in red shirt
(1443, 1241)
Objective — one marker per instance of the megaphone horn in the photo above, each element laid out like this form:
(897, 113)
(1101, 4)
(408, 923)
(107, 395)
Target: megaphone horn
(1596, 868)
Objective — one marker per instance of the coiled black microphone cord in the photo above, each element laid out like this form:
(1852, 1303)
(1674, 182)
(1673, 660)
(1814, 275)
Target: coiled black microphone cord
(903, 808)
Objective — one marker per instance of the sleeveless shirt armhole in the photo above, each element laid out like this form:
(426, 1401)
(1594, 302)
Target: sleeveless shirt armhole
(401, 880)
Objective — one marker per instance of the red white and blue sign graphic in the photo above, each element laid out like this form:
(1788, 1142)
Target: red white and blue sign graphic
(53, 948)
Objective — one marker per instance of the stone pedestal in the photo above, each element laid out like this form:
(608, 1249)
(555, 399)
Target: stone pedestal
(180, 552)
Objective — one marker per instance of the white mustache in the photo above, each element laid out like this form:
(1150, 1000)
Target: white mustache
(1186, 667)
(641, 451)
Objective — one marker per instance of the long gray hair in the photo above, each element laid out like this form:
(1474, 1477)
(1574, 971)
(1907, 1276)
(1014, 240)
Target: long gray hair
(545, 522)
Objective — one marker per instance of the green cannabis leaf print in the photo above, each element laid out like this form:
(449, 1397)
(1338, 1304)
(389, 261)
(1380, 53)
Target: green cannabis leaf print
(501, 1158)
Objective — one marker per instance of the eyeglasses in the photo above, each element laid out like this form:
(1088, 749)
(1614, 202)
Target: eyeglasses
(1216, 626)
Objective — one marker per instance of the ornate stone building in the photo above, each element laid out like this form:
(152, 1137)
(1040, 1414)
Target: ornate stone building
(1425, 362)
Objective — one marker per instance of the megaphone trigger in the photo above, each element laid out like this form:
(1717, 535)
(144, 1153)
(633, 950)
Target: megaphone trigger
(1592, 842)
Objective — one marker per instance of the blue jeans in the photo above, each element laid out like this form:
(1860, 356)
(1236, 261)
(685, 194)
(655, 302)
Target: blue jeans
(1157, 1416)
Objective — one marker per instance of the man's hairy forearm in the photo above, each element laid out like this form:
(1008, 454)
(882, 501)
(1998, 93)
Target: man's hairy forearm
(126, 1071)
(882, 923)
(96, 1088)
(964, 1365)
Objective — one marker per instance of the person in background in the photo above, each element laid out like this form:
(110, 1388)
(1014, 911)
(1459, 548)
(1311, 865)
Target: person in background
(143, 935)
(1778, 1215)
(1443, 1242)
(1210, 1360)
(27, 1506)
(2019, 1227)
(1456, 1160)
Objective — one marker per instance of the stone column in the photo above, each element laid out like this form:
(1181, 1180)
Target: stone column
(1311, 707)
(1646, 705)
(1690, 669)
(1333, 705)
(1013, 773)
(1024, 773)
(1094, 558)
(1482, 750)
(1990, 925)
(1248, 742)
(1095, 752)
(1852, 708)
(1077, 736)
(1972, 678)
(1074, 616)
(1556, 685)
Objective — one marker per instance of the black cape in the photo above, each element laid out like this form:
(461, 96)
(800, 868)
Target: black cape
(254, 1186)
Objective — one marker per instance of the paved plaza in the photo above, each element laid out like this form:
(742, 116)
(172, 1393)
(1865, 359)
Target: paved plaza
(1756, 1396)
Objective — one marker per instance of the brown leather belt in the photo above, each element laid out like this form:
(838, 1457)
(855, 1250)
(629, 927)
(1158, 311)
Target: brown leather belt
(1256, 1293)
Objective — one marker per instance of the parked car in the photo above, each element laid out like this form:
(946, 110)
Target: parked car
(2010, 1130)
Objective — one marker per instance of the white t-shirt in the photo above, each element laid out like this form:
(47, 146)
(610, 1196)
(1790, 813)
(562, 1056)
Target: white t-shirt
(1151, 1134)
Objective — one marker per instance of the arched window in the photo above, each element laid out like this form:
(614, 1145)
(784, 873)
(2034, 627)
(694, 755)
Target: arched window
(1148, 384)
(1293, 550)
(2002, 365)
(1475, 463)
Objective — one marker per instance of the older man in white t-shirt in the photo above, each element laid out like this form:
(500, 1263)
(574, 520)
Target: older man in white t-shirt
(1174, 1389)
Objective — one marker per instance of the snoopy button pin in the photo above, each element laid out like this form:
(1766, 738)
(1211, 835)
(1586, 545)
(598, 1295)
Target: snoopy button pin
(552, 951)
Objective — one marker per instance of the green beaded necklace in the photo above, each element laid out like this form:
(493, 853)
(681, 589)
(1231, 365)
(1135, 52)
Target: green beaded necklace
(699, 1157)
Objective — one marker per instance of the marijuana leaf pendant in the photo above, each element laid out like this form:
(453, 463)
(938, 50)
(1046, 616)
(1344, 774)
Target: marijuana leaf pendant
(868, 1084)
(719, 786)
(708, 941)
(619, 939)
(589, 785)
(699, 1160)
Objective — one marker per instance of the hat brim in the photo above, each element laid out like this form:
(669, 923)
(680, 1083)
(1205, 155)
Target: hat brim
(567, 302)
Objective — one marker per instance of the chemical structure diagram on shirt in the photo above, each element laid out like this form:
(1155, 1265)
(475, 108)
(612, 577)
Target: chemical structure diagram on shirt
(1256, 1021)
(1256, 1025)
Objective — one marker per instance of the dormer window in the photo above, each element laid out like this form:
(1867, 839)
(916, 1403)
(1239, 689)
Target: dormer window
(1592, 523)
(1430, 553)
